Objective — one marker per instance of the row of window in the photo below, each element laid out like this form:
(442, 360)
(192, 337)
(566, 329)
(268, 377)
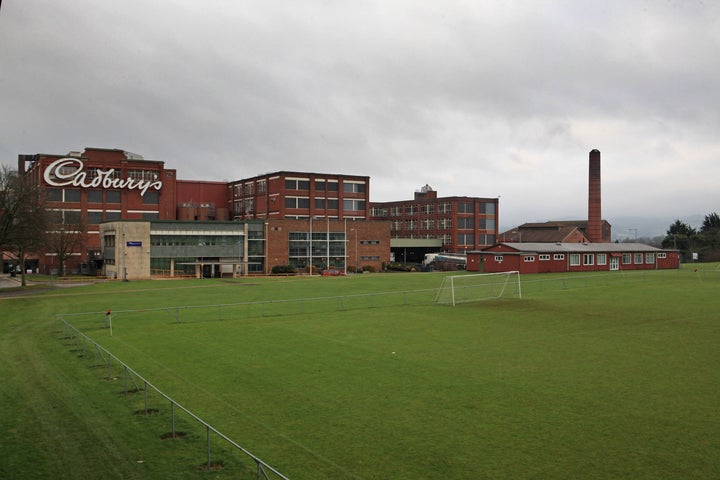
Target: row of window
(73, 195)
(430, 208)
(323, 203)
(94, 217)
(443, 224)
(593, 259)
(323, 185)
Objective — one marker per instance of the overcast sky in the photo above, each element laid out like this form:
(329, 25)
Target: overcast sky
(489, 99)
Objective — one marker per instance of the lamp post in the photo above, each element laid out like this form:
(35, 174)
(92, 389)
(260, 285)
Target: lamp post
(327, 263)
(356, 252)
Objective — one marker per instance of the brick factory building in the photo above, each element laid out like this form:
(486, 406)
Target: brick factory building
(429, 223)
(97, 186)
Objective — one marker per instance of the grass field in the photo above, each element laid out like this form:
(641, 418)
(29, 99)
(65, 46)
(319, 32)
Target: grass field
(588, 376)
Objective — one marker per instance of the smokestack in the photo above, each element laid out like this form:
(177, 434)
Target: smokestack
(594, 228)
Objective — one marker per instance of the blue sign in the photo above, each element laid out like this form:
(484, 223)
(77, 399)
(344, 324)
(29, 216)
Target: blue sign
(134, 244)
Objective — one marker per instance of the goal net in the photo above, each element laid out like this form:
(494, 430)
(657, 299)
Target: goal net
(478, 287)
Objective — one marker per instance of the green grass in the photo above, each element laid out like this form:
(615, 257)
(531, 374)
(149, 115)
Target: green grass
(588, 376)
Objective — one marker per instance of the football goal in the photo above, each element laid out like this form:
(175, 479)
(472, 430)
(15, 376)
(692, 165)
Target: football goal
(478, 287)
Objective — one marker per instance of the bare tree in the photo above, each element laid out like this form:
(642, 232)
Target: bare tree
(23, 217)
(65, 237)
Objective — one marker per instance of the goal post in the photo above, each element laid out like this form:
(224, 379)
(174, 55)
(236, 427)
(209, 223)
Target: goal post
(478, 287)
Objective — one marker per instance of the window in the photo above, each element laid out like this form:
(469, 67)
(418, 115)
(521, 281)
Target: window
(544, 257)
(94, 217)
(109, 240)
(297, 184)
(262, 186)
(588, 259)
(446, 239)
(151, 198)
(427, 209)
(465, 223)
(54, 194)
(662, 255)
(488, 208)
(444, 223)
(332, 203)
(465, 207)
(638, 258)
(72, 195)
(486, 224)
(602, 258)
(94, 196)
(112, 215)
(529, 258)
(369, 242)
(354, 205)
(332, 185)
(148, 175)
(353, 187)
(428, 224)
(112, 196)
(649, 258)
(149, 216)
(445, 207)
(297, 202)
(466, 239)
(559, 256)
(574, 259)
(626, 258)
(498, 258)
(486, 239)
(411, 210)
(320, 203)
(249, 188)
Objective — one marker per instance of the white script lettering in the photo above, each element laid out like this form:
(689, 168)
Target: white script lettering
(77, 177)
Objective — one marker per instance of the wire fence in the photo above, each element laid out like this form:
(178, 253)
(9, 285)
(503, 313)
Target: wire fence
(136, 383)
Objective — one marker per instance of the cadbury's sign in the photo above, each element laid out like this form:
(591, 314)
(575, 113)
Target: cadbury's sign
(70, 171)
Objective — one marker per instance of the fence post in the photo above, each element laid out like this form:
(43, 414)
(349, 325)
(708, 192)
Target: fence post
(172, 415)
(207, 428)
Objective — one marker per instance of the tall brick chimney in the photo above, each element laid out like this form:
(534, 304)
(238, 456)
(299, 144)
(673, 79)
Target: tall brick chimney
(594, 228)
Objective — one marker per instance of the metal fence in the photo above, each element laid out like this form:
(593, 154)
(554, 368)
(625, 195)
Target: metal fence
(134, 382)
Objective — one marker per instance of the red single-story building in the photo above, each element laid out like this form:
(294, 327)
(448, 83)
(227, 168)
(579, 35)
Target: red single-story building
(570, 257)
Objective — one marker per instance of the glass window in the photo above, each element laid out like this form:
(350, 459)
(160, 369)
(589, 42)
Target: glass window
(54, 194)
(94, 218)
(352, 187)
(465, 207)
(72, 195)
(574, 259)
(151, 198)
(638, 258)
(649, 258)
(112, 196)
(626, 258)
(602, 258)
(94, 196)
(112, 216)
(588, 259)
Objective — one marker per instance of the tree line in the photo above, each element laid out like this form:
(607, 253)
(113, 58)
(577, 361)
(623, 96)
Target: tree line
(27, 226)
(704, 242)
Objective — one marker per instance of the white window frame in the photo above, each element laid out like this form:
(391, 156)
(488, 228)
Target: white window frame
(574, 259)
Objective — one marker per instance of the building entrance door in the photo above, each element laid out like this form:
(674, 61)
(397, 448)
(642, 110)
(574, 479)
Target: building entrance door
(614, 263)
